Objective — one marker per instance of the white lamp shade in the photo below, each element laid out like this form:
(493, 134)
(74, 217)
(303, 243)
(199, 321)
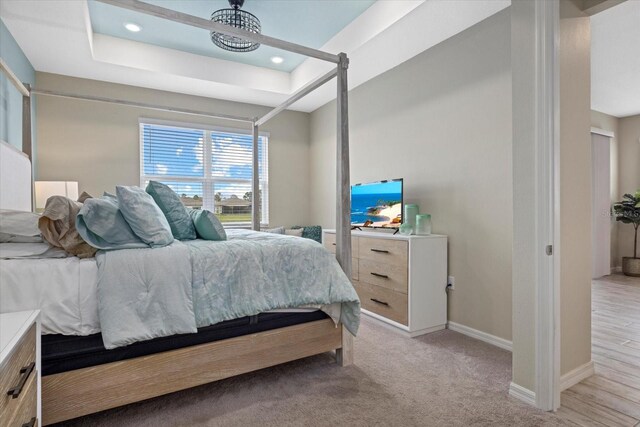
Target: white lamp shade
(46, 189)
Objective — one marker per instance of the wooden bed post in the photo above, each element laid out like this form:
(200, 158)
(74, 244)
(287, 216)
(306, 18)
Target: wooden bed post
(255, 183)
(344, 355)
(343, 192)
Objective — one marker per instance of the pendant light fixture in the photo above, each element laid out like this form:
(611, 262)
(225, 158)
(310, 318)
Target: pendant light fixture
(238, 18)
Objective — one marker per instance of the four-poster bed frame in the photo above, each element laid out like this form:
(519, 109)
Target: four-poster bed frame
(83, 391)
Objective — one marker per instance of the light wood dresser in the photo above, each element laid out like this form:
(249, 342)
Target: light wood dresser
(401, 280)
(20, 369)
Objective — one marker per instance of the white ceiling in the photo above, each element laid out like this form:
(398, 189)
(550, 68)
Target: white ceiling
(57, 37)
(615, 60)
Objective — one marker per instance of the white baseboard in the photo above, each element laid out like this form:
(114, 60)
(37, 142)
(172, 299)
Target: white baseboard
(479, 335)
(398, 327)
(523, 394)
(573, 377)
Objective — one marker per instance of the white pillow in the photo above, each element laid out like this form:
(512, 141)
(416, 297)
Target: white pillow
(293, 232)
(277, 230)
(19, 227)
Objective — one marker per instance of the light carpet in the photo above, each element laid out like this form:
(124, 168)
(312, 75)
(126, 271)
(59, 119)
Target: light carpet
(440, 379)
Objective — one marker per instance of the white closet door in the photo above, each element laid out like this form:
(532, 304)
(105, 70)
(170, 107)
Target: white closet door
(601, 221)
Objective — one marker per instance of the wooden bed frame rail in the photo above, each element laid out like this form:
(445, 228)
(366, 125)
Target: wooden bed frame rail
(84, 391)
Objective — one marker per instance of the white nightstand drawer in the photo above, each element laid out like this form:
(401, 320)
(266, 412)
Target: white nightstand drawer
(18, 381)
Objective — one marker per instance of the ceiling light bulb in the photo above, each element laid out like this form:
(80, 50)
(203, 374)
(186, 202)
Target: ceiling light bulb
(277, 59)
(134, 28)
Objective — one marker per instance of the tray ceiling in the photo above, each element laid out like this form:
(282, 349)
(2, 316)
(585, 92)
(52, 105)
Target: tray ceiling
(80, 39)
(309, 23)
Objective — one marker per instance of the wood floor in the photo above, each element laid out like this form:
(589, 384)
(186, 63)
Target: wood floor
(612, 396)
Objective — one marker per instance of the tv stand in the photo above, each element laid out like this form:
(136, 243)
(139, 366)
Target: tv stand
(355, 227)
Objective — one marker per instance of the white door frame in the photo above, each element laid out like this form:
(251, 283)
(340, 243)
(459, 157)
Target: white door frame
(547, 169)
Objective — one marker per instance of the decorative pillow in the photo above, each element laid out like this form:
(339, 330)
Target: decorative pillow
(58, 226)
(19, 227)
(313, 232)
(101, 224)
(144, 217)
(277, 230)
(208, 226)
(84, 196)
(293, 232)
(173, 209)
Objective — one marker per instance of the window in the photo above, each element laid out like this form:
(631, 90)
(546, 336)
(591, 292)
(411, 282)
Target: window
(209, 168)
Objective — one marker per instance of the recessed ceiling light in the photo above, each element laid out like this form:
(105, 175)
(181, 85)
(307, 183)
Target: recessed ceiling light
(134, 28)
(277, 59)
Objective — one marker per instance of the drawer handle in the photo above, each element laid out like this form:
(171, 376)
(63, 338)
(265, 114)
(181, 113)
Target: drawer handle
(384, 276)
(25, 372)
(333, 244)
(380, 302)
(31, 423)
(382, 251)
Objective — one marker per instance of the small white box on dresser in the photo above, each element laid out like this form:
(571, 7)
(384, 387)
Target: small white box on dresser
(401, 280)
(20, 369)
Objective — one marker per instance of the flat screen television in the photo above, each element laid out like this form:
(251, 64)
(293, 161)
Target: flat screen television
(377, 204)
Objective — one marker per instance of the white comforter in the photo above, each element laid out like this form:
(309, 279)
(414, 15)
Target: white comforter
(65, 290)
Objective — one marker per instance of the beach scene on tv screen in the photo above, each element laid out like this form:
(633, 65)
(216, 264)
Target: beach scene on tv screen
(377, 204)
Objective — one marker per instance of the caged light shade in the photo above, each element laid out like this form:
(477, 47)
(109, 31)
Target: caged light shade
(235, 17)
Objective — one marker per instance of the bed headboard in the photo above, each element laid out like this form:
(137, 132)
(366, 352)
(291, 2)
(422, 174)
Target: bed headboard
(15, 179)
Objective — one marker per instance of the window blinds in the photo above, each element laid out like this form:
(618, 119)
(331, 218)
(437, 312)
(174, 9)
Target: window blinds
(208, 168)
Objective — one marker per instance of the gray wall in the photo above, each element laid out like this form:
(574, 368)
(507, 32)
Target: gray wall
(441, 121)
(523, 43)
(628, 175)
(625, 174)
(575, 187)
(97, 144)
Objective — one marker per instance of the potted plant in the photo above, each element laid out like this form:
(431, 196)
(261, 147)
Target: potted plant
(628, 212)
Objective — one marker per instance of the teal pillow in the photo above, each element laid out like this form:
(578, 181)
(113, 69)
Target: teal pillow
(101, 224)
(208, 226)
(144, 217)
(173, 209)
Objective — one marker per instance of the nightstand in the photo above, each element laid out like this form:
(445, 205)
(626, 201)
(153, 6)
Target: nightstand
(20, 369)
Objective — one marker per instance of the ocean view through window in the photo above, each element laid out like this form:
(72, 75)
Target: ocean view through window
(209, 168)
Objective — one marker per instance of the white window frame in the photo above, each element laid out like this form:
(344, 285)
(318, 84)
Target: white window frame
(208, 182)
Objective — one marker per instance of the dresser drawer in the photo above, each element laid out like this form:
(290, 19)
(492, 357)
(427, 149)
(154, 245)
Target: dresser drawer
(22, 356)
(329, 242)
(28, 406)
(383, 250)
(385, 302)
(390, 276)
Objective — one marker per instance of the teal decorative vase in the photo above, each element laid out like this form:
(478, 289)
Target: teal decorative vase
(410, 212)
(423, 224)
(406, 229)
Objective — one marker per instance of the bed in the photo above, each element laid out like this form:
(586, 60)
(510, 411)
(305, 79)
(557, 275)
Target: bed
(80, 376)
(98, 380)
